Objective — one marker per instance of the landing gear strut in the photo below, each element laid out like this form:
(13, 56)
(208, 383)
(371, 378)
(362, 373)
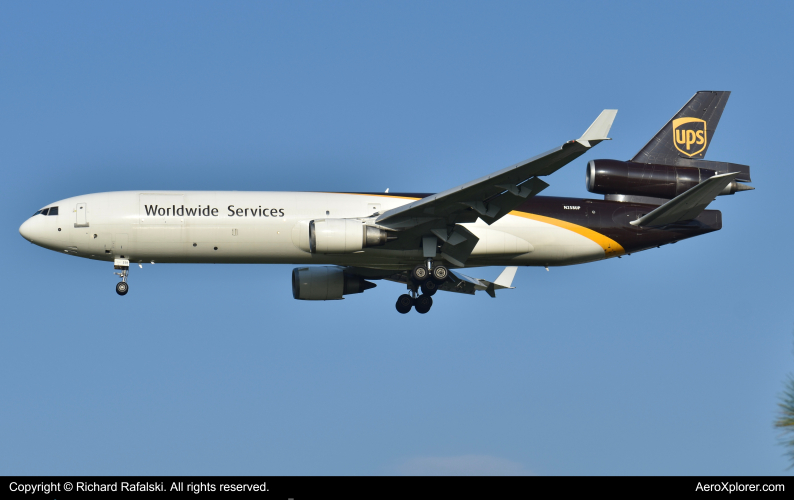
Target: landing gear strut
(123, 270)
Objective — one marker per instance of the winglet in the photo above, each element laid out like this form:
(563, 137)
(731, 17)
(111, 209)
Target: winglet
(599, 129)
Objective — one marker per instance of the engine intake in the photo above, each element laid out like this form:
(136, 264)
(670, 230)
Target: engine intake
(326, 283)
(648, 179)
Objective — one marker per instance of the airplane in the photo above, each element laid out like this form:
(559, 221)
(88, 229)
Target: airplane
(345, 241)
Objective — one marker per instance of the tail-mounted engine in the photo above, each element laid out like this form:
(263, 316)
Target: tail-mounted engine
(337, 236)
(658, 181)
(326, 283)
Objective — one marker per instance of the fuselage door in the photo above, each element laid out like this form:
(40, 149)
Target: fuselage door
(80, 216)
(592, 215)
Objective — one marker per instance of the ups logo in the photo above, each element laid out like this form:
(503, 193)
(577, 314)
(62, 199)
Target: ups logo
(689, 135)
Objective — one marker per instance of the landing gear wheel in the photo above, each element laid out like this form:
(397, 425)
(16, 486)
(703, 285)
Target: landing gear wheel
(404, 303)
(440, 274)
(423, 304)
(122, 288)
(420, 273)
(429, 288)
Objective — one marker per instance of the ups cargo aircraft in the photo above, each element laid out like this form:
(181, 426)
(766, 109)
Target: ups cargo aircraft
(421, 240)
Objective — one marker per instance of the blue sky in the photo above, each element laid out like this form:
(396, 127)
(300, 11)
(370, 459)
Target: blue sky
(669, 361)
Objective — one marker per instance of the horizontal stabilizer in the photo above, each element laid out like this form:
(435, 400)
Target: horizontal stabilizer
(506, 278)
(687, 205)
(466, 284)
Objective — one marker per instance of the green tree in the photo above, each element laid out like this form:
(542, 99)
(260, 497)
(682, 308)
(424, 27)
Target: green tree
(785, 420)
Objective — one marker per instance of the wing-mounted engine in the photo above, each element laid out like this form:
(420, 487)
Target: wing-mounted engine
(337, 236)
(326, 283)
(613, 177)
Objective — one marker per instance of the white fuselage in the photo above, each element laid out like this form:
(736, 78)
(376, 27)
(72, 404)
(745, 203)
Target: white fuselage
(264, 227)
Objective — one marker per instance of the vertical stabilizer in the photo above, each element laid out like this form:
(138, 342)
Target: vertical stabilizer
(688, 134)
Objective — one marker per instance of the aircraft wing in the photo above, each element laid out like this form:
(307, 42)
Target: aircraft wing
(495, 195)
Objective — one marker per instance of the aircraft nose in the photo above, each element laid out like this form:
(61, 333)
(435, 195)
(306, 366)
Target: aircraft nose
(26, 230)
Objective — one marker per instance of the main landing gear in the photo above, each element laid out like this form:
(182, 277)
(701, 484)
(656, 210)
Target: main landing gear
(404, 303)
(123, 270)
(422, 303)
(426, 278)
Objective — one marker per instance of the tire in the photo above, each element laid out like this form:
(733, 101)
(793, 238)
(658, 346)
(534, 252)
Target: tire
(439, 274)
(420, 274)
(429, 288)
(423, 304)
(122, 288)
(404, 303)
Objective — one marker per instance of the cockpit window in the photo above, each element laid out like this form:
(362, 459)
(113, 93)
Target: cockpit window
(47, 211)
(37, 213)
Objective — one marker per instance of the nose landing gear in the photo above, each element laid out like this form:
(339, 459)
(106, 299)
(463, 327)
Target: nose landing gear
(123, 268)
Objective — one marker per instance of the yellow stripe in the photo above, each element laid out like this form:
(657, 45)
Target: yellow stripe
(611, 247)
(384, 195)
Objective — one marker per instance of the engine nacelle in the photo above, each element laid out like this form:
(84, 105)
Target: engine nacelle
(647, 179)
(336, 236)
(325, 283)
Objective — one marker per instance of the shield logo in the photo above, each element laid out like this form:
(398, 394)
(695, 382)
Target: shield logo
(689, 135)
